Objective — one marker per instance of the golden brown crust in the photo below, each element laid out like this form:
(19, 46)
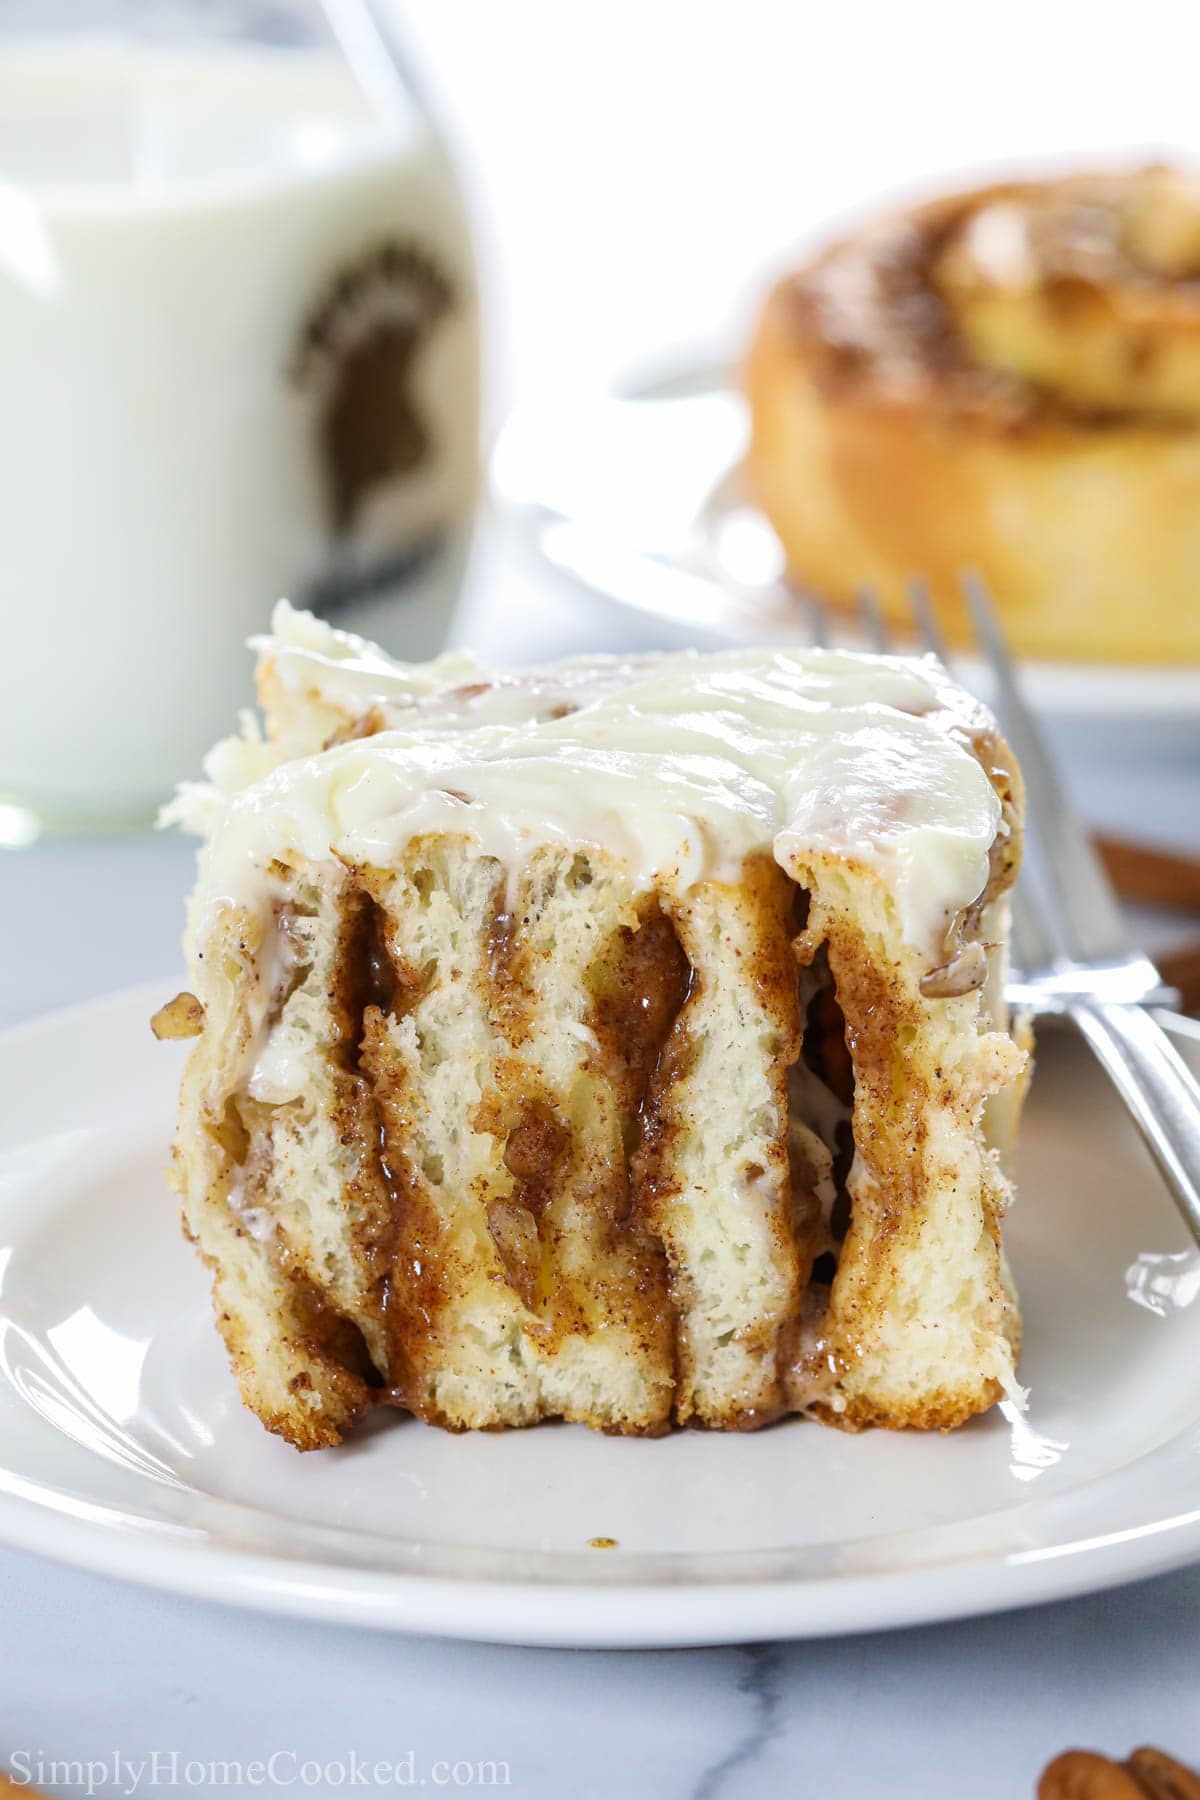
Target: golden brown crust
(895, 1099)
(885, 445)
(324, 1349)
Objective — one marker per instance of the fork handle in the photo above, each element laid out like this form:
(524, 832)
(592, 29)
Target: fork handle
(1159, 1089)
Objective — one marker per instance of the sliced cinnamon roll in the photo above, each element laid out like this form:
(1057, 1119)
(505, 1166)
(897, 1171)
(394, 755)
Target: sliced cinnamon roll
(621, 1041)
(1006, 380)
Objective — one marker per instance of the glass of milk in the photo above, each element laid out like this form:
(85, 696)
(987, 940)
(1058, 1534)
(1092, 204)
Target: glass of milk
(239, 355)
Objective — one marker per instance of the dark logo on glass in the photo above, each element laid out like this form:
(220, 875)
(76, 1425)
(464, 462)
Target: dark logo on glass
(357, 356)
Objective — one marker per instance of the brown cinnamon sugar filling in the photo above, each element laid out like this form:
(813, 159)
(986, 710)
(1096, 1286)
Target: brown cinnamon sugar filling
(639, 1045)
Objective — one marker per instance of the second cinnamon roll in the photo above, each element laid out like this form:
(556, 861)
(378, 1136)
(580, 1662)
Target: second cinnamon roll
(1006, 380)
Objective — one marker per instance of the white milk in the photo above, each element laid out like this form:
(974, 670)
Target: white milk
(238, 359)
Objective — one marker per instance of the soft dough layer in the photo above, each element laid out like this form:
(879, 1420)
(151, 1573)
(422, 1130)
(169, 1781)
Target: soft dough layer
(503, 1138)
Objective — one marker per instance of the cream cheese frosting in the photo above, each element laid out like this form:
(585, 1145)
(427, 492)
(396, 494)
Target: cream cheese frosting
(680, 764)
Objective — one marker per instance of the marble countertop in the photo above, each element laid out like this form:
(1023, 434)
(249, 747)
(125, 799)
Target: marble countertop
(964, 1712)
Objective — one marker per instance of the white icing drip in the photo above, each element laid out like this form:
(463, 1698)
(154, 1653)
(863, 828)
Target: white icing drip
(280, 1069)
(682, 765)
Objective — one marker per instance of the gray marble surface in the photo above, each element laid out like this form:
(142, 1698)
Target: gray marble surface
(965, 1712)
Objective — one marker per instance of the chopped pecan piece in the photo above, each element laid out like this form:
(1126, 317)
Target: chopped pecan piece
(1149, 1774)
(366, 725)
(1161, 1777)
(182, 1017)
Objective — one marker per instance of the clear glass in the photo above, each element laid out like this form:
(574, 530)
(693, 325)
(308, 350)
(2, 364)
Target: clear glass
(239, 349)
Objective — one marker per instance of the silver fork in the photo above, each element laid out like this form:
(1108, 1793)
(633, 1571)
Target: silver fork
(1071, 947)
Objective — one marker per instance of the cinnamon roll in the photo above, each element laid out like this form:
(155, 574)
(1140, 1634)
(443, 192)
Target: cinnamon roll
(1006, 380)
(621, 1041)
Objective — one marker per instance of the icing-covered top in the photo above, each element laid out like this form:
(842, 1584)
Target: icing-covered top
(682, 765)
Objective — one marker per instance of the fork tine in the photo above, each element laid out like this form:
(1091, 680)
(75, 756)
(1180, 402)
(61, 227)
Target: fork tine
(928, 629)
(815, 612)
(870, 615)
(1033, 949)
(818, 624)
(1083, 918)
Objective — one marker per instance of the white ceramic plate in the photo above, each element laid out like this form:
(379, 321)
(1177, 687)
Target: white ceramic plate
(123, 1446)
(638, 498)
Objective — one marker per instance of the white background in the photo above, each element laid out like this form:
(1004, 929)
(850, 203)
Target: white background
(642, 165)
(637, 170)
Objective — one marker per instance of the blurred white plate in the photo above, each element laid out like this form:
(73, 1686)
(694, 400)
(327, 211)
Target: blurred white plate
(123, 1446)
(638, 498)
